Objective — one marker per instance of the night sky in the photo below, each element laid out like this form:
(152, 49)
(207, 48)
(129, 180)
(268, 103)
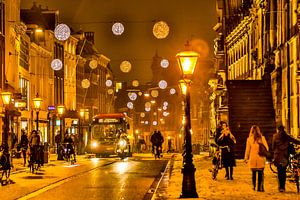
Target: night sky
(188, 20)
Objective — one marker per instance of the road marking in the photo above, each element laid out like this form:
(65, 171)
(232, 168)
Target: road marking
(60, 182)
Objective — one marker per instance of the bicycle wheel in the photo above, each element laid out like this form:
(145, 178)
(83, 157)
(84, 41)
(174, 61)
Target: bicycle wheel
(273, 167)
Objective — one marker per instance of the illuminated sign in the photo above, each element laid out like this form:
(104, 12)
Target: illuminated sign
(51, 107)
(109, 120)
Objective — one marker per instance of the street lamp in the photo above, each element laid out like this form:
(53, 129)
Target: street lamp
(60, 111)
(80, 135)
(6, 97)
(37, 102)
(187, 61)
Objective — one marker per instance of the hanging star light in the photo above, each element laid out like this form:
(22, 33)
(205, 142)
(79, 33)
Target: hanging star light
(148, 104)
(132, 96)
(140, 93)
(130, 105)
(142, 115)
(117, 28)
(146, 122)
(93, 64)
(154, 93)
(160, 30)
(110, 91)
(165, 113)
(56, 64)
(162, 84)
(165, 107)
(135, 83)
(108, 83)
(147, 109)
(172, 91)
(62, 32)
(85, 83)
(164, 63)
(165, 103)
(125, 66)
(154, 123)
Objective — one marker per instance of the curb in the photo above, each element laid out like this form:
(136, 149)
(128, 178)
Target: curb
(160, 191)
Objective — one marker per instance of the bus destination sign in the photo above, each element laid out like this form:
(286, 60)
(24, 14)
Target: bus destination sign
(108, 120)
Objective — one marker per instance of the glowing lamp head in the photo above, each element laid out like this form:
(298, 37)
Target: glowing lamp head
(61, 109)
(37, 102)
(81, 113)
(6, 97)
(187, 61)
(94, 144)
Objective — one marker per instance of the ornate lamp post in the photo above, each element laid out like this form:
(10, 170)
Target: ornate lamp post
(187, 61)
(80, 135)
(6, 97)
(60, 111)
(37, 102)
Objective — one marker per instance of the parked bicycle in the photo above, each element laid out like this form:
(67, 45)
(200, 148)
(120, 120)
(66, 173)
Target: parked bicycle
(293, 168)
(217, 160)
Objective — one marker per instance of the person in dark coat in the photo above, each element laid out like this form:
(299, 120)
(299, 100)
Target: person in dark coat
(227, 139)
(24, 145)
(5, 162)
(280, 146)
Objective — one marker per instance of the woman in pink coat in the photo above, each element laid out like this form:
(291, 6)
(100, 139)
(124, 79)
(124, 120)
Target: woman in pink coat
(256, 162)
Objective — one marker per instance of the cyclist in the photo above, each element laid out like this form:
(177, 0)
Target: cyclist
(157, 139)
(34, 142)
(70, 146)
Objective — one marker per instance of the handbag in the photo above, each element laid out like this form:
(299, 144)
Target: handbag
(262, 151)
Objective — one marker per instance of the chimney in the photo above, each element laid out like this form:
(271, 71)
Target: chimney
(90, 36)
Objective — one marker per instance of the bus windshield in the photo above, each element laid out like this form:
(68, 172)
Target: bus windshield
(106, 132)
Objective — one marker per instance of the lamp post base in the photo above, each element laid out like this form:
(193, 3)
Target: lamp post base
(188, 182)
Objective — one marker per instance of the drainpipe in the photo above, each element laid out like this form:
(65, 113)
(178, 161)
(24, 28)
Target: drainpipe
(288, 125)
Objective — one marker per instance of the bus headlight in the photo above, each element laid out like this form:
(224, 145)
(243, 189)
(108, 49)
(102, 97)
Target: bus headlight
(94, 144)
(122, 143)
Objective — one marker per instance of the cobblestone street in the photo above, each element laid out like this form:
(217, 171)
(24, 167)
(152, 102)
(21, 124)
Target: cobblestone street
(239, 188)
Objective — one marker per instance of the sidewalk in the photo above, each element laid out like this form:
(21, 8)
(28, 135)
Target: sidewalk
(239, 188)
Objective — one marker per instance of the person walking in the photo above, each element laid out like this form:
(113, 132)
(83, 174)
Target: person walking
(24, 145)
(226, 141)
(256, 162)
(280, 146)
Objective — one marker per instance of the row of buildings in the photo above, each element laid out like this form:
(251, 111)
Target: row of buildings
(27, 48)
(257, 46)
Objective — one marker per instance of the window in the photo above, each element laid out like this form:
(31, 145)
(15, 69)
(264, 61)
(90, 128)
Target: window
(24, 90)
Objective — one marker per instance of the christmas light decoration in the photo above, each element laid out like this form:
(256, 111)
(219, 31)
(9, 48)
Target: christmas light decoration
(130, 105)
(154, 93)
(117, 28)
(110, 91)
(154, 123)
(108, 83)
(62, 32)
(165, 103)
(85, 83)
(142, 114)
(56, 64)
(162, 84)
(135, 83)
(172, 91)
(132, 96)
(93, 64)
(164, 63)
(125, 66)
(161, 30)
